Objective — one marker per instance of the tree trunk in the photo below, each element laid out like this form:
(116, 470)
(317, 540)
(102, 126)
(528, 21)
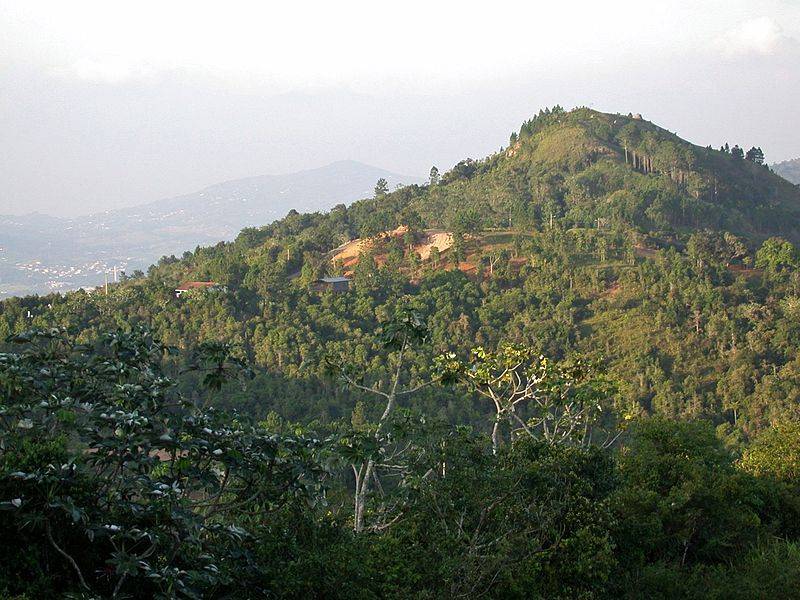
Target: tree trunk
(358, 522)
(496, 434)
(362, 487)
(363, 479)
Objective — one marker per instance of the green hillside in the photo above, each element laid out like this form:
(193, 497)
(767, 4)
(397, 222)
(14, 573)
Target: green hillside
(585, 165)
(642, 291)
(591, 233)
(578, 167)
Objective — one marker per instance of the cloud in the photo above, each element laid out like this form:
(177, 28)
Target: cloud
(371, 47)
(762, 36)
(362, 44)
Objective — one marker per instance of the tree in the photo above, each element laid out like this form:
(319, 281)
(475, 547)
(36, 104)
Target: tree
(435, 256)
(111, 484)
(558, 404)
(681, 501)
(219, 363)
(755, 155)
(530, 522)
(630, 138)
(370, 451)
(464, 169)
(737, 152)
(381, 188)
(776, 453)
(465, 222)
(434, 176)
(735, 248)
(707, 246)
(493, 257)
(777, 255)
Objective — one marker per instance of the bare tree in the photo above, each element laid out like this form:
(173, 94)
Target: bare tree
(403, 331)
(555, 403)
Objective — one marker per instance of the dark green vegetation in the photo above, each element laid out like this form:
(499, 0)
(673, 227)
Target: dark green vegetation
(412, 438)
(114, 485)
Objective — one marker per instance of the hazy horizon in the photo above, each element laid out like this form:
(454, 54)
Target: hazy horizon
(106, 107)
(212, 184)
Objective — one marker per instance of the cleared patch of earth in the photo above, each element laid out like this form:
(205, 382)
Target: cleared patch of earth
(347, 254)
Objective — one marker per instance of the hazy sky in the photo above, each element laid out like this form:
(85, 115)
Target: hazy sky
(106, 104)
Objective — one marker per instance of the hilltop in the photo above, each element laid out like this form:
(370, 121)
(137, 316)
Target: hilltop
(583, 168)
(585, 165)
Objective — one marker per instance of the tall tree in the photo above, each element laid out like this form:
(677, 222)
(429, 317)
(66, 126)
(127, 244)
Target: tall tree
(369, 450)
(381, 188)
(434, 176)
(553, 403)
(755, 155)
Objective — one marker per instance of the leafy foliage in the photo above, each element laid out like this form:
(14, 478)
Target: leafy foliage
(120, 485)
(113, 485)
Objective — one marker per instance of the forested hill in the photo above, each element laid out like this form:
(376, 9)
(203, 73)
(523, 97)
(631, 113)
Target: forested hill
(569, 370)
(585, 165)
(581, 166)
(591, 234)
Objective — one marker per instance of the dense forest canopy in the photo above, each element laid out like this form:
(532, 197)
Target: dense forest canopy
(596, 235)
(614, 317)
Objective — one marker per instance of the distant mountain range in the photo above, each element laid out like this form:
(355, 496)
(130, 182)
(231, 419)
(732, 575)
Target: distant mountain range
(40, 253)
(789, 170)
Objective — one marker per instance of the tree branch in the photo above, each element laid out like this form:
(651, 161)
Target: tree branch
(71, 560)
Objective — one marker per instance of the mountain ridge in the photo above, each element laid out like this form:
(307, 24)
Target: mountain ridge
(789, 170)
(135, 237)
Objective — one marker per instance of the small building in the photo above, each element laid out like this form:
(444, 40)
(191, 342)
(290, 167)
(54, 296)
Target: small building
(190, 286)
(332, 284)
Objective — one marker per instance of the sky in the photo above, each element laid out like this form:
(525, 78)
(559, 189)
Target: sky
(105, 104)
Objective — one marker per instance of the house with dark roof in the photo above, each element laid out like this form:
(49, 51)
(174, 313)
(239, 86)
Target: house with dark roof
(332, 284)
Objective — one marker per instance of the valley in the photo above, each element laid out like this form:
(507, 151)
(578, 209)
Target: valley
(43, 254)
